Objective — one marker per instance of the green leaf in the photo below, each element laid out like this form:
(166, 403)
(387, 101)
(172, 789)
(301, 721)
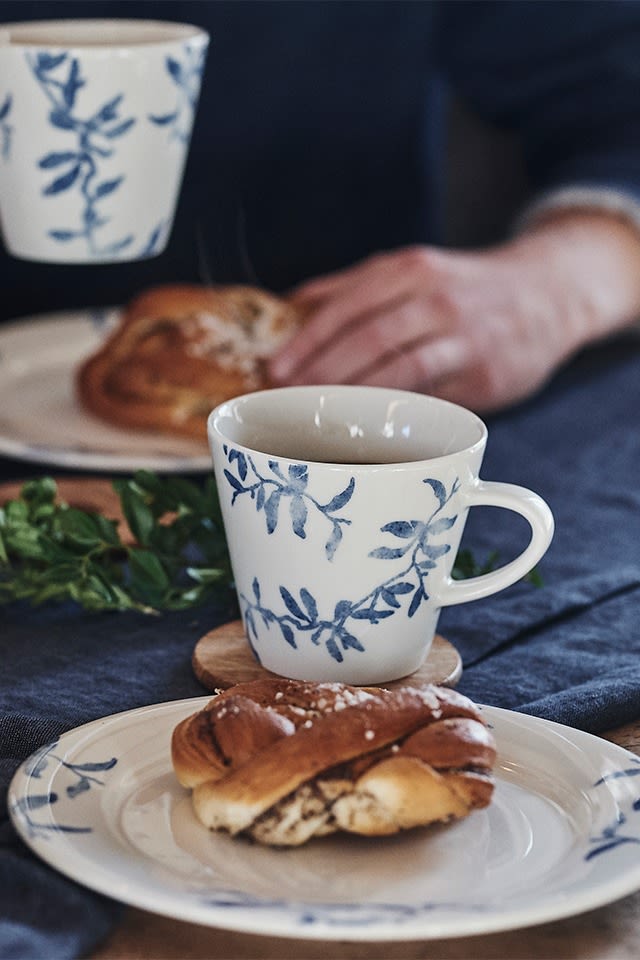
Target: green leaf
(138, 515)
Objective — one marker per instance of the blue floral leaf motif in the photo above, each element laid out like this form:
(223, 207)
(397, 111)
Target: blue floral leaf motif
(274, 466)
(28, 804)
(174, 68)
(62, 120)
(255, 586)
(371, 614)
(37, 763)
(610, 846)
(333, 542)
(77, 788)
(109, 110)
(56, 158)
(439, 490)
(49, 61)
(403, 586)
(334, 650)
(401, 528)
(163, 119)
(350, 642)
(389, 598)
(260, 497)
(119, 245)
(341, 499)
(440, 525)
(93, 217)
(6, 107)
(292, 605)
(388, 553)
(390, 593)
(107, 187)
(241, 460)
(64, 235)
(315, 636)
(288, 635)
(62, 183)
(617, 774)
(310, 603)
(298, 513)
(417, 599)
(95, 766)
(73, 84)
(298, 476)
(119, 129)
(154, 240)
(425, 565)
(235, 483)
(342, 610)
(250, 624)
(271, 510)
(435, 551)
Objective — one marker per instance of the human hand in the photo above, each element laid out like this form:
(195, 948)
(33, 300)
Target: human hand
(484, 329)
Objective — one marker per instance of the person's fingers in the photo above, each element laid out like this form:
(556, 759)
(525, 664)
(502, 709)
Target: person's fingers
(407, 342)
(321, 339)
(363, 274)
(377, 279)
(420, 365)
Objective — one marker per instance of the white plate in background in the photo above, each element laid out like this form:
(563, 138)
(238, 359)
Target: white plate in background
(42, 422)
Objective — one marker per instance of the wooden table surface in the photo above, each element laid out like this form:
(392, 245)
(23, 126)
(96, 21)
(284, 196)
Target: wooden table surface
(609, 933)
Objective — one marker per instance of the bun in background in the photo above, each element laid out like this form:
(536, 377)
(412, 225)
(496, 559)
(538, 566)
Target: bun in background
(178, 351)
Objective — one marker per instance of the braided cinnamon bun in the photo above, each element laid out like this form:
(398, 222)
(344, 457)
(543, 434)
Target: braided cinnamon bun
(282, 760)
(180, 350)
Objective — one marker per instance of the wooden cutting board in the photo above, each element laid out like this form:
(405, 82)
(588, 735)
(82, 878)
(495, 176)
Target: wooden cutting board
(222, 658)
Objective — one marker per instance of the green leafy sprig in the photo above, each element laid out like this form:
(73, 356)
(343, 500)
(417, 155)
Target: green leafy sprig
(51, 551)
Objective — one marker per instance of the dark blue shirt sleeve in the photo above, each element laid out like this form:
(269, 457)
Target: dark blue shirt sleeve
(564, 76)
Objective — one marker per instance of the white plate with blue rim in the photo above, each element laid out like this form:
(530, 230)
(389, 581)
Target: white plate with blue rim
(41, 420)
(561, 836)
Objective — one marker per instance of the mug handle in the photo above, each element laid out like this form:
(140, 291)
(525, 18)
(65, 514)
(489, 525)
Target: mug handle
(535, 511)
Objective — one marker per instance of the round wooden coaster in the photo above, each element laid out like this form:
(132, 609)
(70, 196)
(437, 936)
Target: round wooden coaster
(222, 658)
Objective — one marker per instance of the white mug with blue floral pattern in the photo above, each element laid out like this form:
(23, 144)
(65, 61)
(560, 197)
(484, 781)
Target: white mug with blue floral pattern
(95, 125)
(344, 507)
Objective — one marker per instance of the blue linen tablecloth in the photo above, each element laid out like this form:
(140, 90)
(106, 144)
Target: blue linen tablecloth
(568, 651)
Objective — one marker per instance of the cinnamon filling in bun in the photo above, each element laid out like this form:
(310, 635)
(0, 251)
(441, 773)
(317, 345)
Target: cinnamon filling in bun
(282, 761)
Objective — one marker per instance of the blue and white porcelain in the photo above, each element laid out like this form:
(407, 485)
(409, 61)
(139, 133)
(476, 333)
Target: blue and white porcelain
(344, 508)
(95, 125)
(561, 837)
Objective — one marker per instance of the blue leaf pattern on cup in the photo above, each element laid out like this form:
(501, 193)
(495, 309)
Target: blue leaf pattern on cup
(187, 77)
(302, 616)
(5, 128)
(155, 243)
(60, 79)
(268, 492)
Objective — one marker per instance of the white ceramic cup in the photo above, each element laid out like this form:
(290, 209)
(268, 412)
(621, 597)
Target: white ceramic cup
(95, 125)
(343, 509)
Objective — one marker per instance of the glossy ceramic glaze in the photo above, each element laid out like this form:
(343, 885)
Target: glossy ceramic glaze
(95, 124)
(344, 508)
(561, 836)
